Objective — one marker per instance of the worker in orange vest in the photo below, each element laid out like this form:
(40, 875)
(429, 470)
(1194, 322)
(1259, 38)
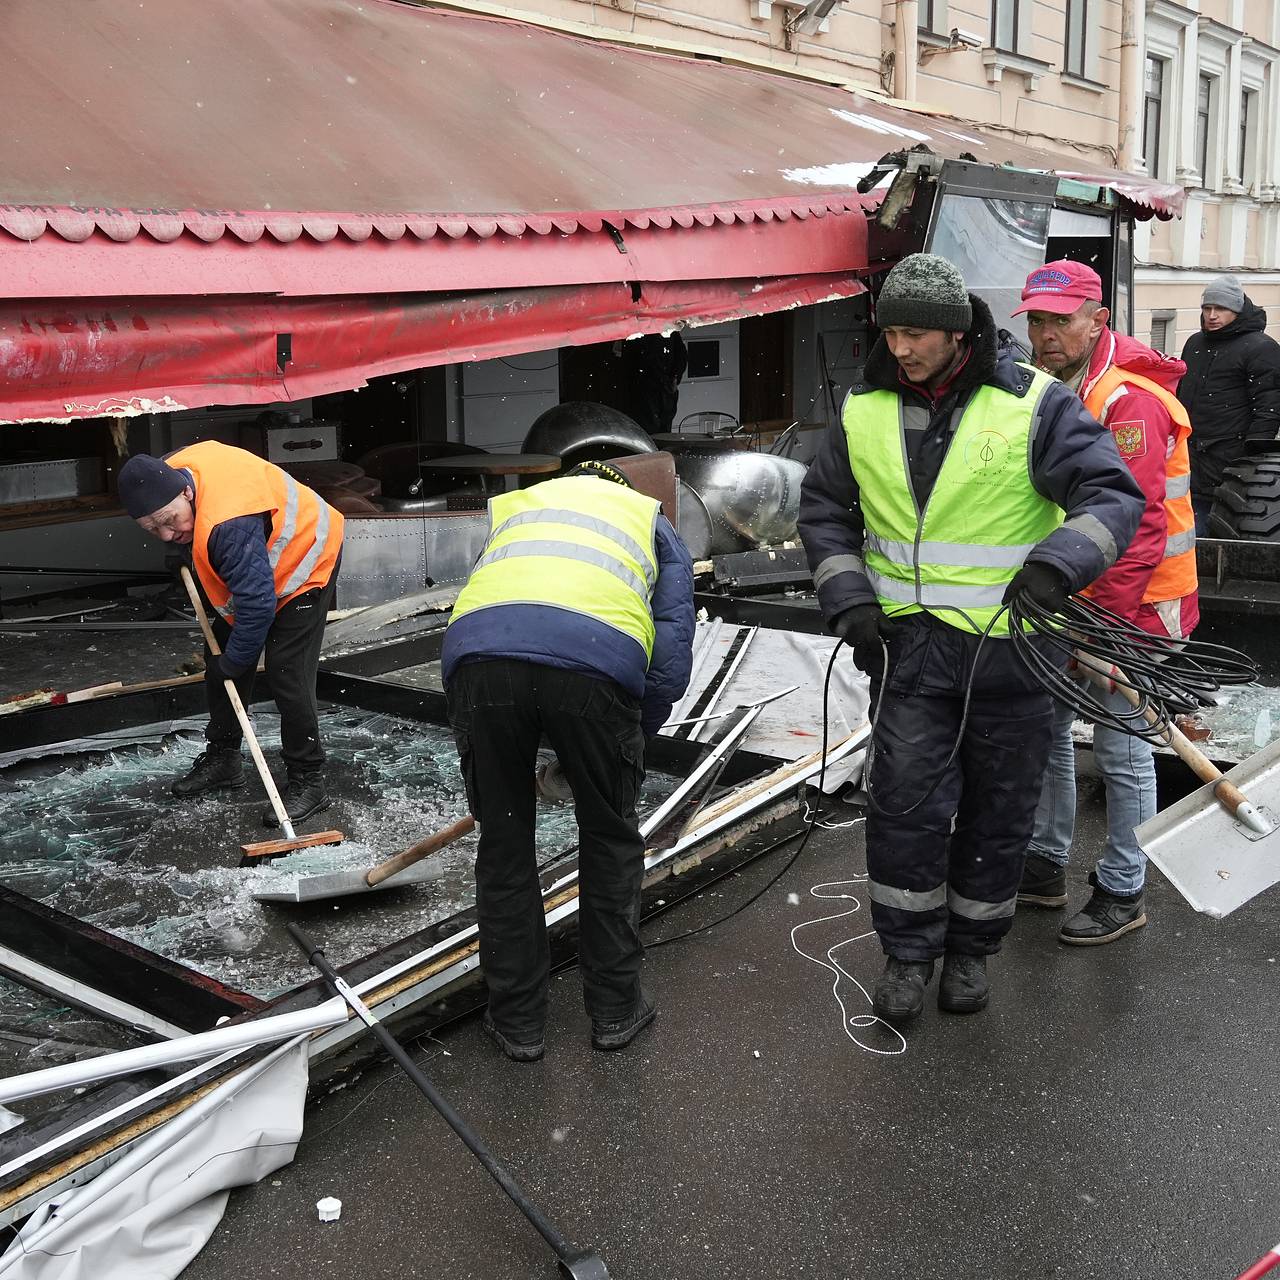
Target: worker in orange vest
(1130, 389)
(266, 551)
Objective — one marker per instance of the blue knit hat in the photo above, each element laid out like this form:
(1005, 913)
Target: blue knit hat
(146, 484)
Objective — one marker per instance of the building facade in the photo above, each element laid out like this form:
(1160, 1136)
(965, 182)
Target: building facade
(1187, 93)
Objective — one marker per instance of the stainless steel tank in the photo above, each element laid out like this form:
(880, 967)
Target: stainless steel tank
(750, 499)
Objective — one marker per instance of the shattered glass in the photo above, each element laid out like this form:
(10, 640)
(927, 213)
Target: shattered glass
(99, 836)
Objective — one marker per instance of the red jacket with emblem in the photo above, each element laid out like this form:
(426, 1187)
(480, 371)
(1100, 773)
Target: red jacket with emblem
(1145, 435)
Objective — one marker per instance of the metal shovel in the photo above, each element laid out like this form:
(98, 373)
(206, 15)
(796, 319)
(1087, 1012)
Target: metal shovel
(577, 1264)
(1211, 845)
(405, 868)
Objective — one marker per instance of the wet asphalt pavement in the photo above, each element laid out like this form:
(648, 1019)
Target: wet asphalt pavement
(1113, 1113)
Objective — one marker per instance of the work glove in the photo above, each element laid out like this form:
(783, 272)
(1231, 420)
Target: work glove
(1038, 582)
(862, 624)
(223, 669)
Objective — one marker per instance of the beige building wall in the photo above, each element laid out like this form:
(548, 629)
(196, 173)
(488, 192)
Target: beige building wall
(1216, 132)
(1019, 86)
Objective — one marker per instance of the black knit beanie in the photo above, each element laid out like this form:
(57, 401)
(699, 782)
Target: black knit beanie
(925, 291)
(146, 484)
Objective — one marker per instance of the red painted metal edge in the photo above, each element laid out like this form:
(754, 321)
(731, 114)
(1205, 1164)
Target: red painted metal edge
(87, 358)
(99, 267)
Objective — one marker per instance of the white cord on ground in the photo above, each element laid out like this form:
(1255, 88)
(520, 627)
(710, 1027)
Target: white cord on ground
(849, 1022)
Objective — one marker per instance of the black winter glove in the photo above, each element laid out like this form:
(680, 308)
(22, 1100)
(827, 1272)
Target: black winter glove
(1038, 582)
(862, 624)
(223, 669)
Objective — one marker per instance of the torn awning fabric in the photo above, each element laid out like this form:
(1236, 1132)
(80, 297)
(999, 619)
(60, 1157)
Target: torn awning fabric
(157, 355)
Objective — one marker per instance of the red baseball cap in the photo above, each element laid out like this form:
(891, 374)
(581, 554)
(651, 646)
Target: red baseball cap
(1060, 288)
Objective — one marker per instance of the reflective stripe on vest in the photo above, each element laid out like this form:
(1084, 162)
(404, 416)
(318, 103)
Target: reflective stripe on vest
(1175, 576)
(578, 543)
(983, 517)
(305, 537)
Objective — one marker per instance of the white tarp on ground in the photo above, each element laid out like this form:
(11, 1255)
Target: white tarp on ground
(792, 726)
(146, 1216)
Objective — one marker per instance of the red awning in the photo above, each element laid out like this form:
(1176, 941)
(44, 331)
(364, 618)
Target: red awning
(157, 355)
(214, 145)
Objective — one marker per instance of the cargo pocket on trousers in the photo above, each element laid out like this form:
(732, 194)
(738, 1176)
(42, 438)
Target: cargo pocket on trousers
(630, 771)
(467, 766)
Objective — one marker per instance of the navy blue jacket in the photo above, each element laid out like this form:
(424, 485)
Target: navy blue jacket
(575, 642)
(1074, 463)
(238, 554)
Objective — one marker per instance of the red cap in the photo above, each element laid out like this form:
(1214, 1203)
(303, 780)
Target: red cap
(1060, 288)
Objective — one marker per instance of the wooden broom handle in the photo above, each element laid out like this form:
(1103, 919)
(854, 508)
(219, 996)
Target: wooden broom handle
(241, 714)
(1227, 793)
(416, 852)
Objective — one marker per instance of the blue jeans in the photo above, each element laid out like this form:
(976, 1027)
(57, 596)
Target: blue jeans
(1129, 775)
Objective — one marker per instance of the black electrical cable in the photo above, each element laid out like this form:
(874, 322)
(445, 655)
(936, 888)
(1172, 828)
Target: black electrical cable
(1167, 676)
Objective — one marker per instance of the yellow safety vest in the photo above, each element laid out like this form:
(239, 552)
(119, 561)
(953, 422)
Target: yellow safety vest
(580, 543)
(956, 558)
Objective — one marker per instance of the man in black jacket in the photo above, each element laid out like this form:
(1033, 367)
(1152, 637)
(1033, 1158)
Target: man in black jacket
(940, 496)
(1231, 389)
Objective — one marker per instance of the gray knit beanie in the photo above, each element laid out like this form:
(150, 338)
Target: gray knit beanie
(1224, 291)
(925, 291)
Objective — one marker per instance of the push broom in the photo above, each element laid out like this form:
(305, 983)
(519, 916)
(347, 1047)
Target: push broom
(263, 848)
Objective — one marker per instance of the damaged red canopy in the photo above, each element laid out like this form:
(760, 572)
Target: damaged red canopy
(261, 168)
(159, 355)
(374, 123)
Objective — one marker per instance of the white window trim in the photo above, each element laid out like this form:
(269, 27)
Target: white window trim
(941, 23)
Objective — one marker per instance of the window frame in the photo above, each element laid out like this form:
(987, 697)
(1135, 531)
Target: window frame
(1079, 67)
(1156, 164)
(1014, 8)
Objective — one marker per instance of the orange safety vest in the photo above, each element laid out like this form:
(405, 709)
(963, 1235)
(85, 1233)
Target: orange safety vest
(306, 532)
(1175, 575)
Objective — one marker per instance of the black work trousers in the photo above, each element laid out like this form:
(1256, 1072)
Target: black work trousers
(946, 843)
(499, 710)
(292, 656)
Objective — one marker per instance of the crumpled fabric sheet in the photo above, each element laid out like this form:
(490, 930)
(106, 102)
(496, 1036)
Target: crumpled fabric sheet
(146, 1216)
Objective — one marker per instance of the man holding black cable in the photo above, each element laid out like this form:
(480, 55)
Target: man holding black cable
(956, 480)
(1130, 389)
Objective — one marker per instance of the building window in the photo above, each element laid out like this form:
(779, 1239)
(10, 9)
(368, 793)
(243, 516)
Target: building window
(1073, 49)
(1204, 105)
(1244, 160)
(927, 16)
(1153, 117)
(1163, 331)
(1004, 25)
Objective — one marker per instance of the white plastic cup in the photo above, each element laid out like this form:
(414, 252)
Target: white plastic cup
(329, 1209)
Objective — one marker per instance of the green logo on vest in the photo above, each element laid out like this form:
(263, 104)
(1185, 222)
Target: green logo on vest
(987, 452)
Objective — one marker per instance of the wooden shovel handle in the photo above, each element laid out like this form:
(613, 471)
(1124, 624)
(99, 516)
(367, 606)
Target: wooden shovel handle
(1227, 793)
(259, 760)
(415, 853)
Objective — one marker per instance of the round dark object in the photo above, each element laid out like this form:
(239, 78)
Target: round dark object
(1247, 502)
(581, 431)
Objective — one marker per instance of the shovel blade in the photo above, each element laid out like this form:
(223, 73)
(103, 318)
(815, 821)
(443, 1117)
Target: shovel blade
(342, 884)
(1213, 860)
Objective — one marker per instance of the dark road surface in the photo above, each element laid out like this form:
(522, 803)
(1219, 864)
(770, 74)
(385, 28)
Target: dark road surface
(1113, 1113)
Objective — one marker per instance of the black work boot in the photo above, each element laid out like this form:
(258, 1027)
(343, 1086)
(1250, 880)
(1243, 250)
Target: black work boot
(1104, 918)
(899, 991)
(1044, 883)
(216, 768)
(964, 987)
(304, 795)
(608, 1036)
(516, 1050)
